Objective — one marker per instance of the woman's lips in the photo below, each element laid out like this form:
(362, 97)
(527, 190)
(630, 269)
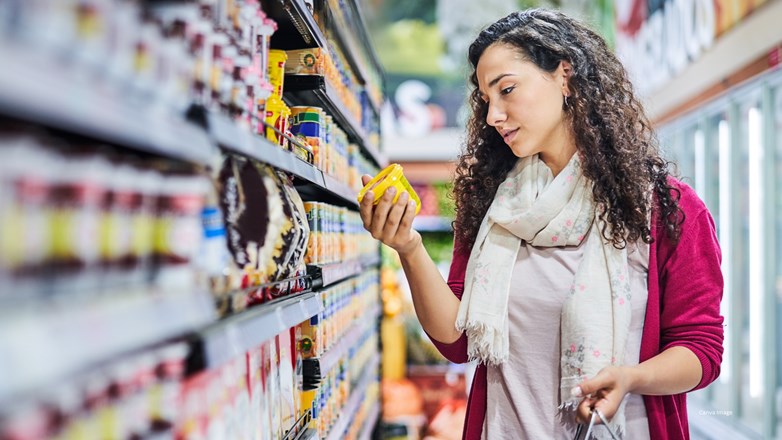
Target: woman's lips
(510, 135)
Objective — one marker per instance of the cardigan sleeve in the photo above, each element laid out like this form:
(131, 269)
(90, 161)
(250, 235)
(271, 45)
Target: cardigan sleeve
(456, 351)
(691, 287)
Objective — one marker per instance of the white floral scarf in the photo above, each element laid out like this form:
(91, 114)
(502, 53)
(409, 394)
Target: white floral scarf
(595, 318)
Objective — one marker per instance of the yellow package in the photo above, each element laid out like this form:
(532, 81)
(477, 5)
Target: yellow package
(392, 175)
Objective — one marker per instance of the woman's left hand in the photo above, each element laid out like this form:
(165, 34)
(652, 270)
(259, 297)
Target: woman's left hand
(605, 392)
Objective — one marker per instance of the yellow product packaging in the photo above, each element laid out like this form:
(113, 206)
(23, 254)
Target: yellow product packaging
(392, 175)
(277, 59)
(276, 113)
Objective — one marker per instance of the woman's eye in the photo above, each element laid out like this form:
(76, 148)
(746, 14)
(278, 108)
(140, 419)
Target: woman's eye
(507, 90)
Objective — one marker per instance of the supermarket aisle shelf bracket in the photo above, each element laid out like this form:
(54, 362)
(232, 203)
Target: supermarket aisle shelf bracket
(304, 22)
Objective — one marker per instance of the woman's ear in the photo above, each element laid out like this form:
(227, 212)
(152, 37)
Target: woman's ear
(565, 71)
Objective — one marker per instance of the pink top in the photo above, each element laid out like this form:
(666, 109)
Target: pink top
(683, 309)
(523, 393)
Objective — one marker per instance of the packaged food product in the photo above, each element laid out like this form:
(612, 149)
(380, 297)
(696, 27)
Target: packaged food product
(310, 61)
(313, 211)
(278, 249)
(305, 124)
(287, 374)
(277, 59)
(392, 175)
(276, 116)
(243, 193)
(295, 266)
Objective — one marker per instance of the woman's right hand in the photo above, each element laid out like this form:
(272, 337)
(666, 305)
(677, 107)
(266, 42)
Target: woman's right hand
(389, 222)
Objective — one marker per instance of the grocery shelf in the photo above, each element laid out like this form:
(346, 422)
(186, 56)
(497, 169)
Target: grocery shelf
(346, 35)
(295, 12)
(231, 137)
(426, 223)
(328, 274)
(369, 424)
(314, 90)
(53, 342)
(235, 335)
(308, 434)
(341, 348)
(349, 47)
(340, 189)
(297, 29)
(354, 401)
(299, 430)
(361, 27)
(79, 101)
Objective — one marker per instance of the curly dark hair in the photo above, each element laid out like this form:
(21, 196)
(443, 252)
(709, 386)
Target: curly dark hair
(616, 142)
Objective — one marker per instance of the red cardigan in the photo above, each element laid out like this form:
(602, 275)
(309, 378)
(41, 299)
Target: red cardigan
(683, 308)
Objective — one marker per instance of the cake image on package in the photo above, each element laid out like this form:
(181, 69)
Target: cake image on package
(244, 201)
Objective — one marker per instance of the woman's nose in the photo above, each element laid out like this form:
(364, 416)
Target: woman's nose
(495, 115)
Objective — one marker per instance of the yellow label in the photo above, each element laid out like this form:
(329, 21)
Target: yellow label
(143, 235)
(12, 237)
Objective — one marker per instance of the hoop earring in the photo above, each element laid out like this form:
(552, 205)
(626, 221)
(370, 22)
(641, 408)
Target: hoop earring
(566, 104)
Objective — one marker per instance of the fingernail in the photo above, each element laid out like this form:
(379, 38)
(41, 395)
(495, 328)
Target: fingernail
(576, 392)
(404, 196)
(369, 195)
(391, 191)
(412, 203)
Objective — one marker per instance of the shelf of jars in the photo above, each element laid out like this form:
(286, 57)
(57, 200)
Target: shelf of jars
(86, 102)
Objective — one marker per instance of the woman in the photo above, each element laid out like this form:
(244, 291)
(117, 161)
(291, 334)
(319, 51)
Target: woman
(585, 279)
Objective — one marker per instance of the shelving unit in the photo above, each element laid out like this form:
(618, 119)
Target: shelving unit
(297, 25)
(62, 341)
(88, 106)
(233, 336)
(354, 400)
(328, 274)
(329, 359)
(66, 340)
(316, 91)
(233, 138)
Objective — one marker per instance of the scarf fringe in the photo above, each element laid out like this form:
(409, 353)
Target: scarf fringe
(480, 346)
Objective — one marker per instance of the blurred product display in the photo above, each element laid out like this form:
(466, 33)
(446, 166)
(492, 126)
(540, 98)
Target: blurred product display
(424, 395)
(181, 254)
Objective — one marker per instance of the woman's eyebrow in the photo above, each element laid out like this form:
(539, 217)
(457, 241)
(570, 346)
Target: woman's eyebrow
(493, 82)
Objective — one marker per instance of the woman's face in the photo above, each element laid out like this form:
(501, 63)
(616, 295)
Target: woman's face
(525, 102)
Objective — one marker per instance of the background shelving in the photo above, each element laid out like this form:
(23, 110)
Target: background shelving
(102, 340)
(45, 344)
(316, 91)
(78, 103)
(233, 336)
